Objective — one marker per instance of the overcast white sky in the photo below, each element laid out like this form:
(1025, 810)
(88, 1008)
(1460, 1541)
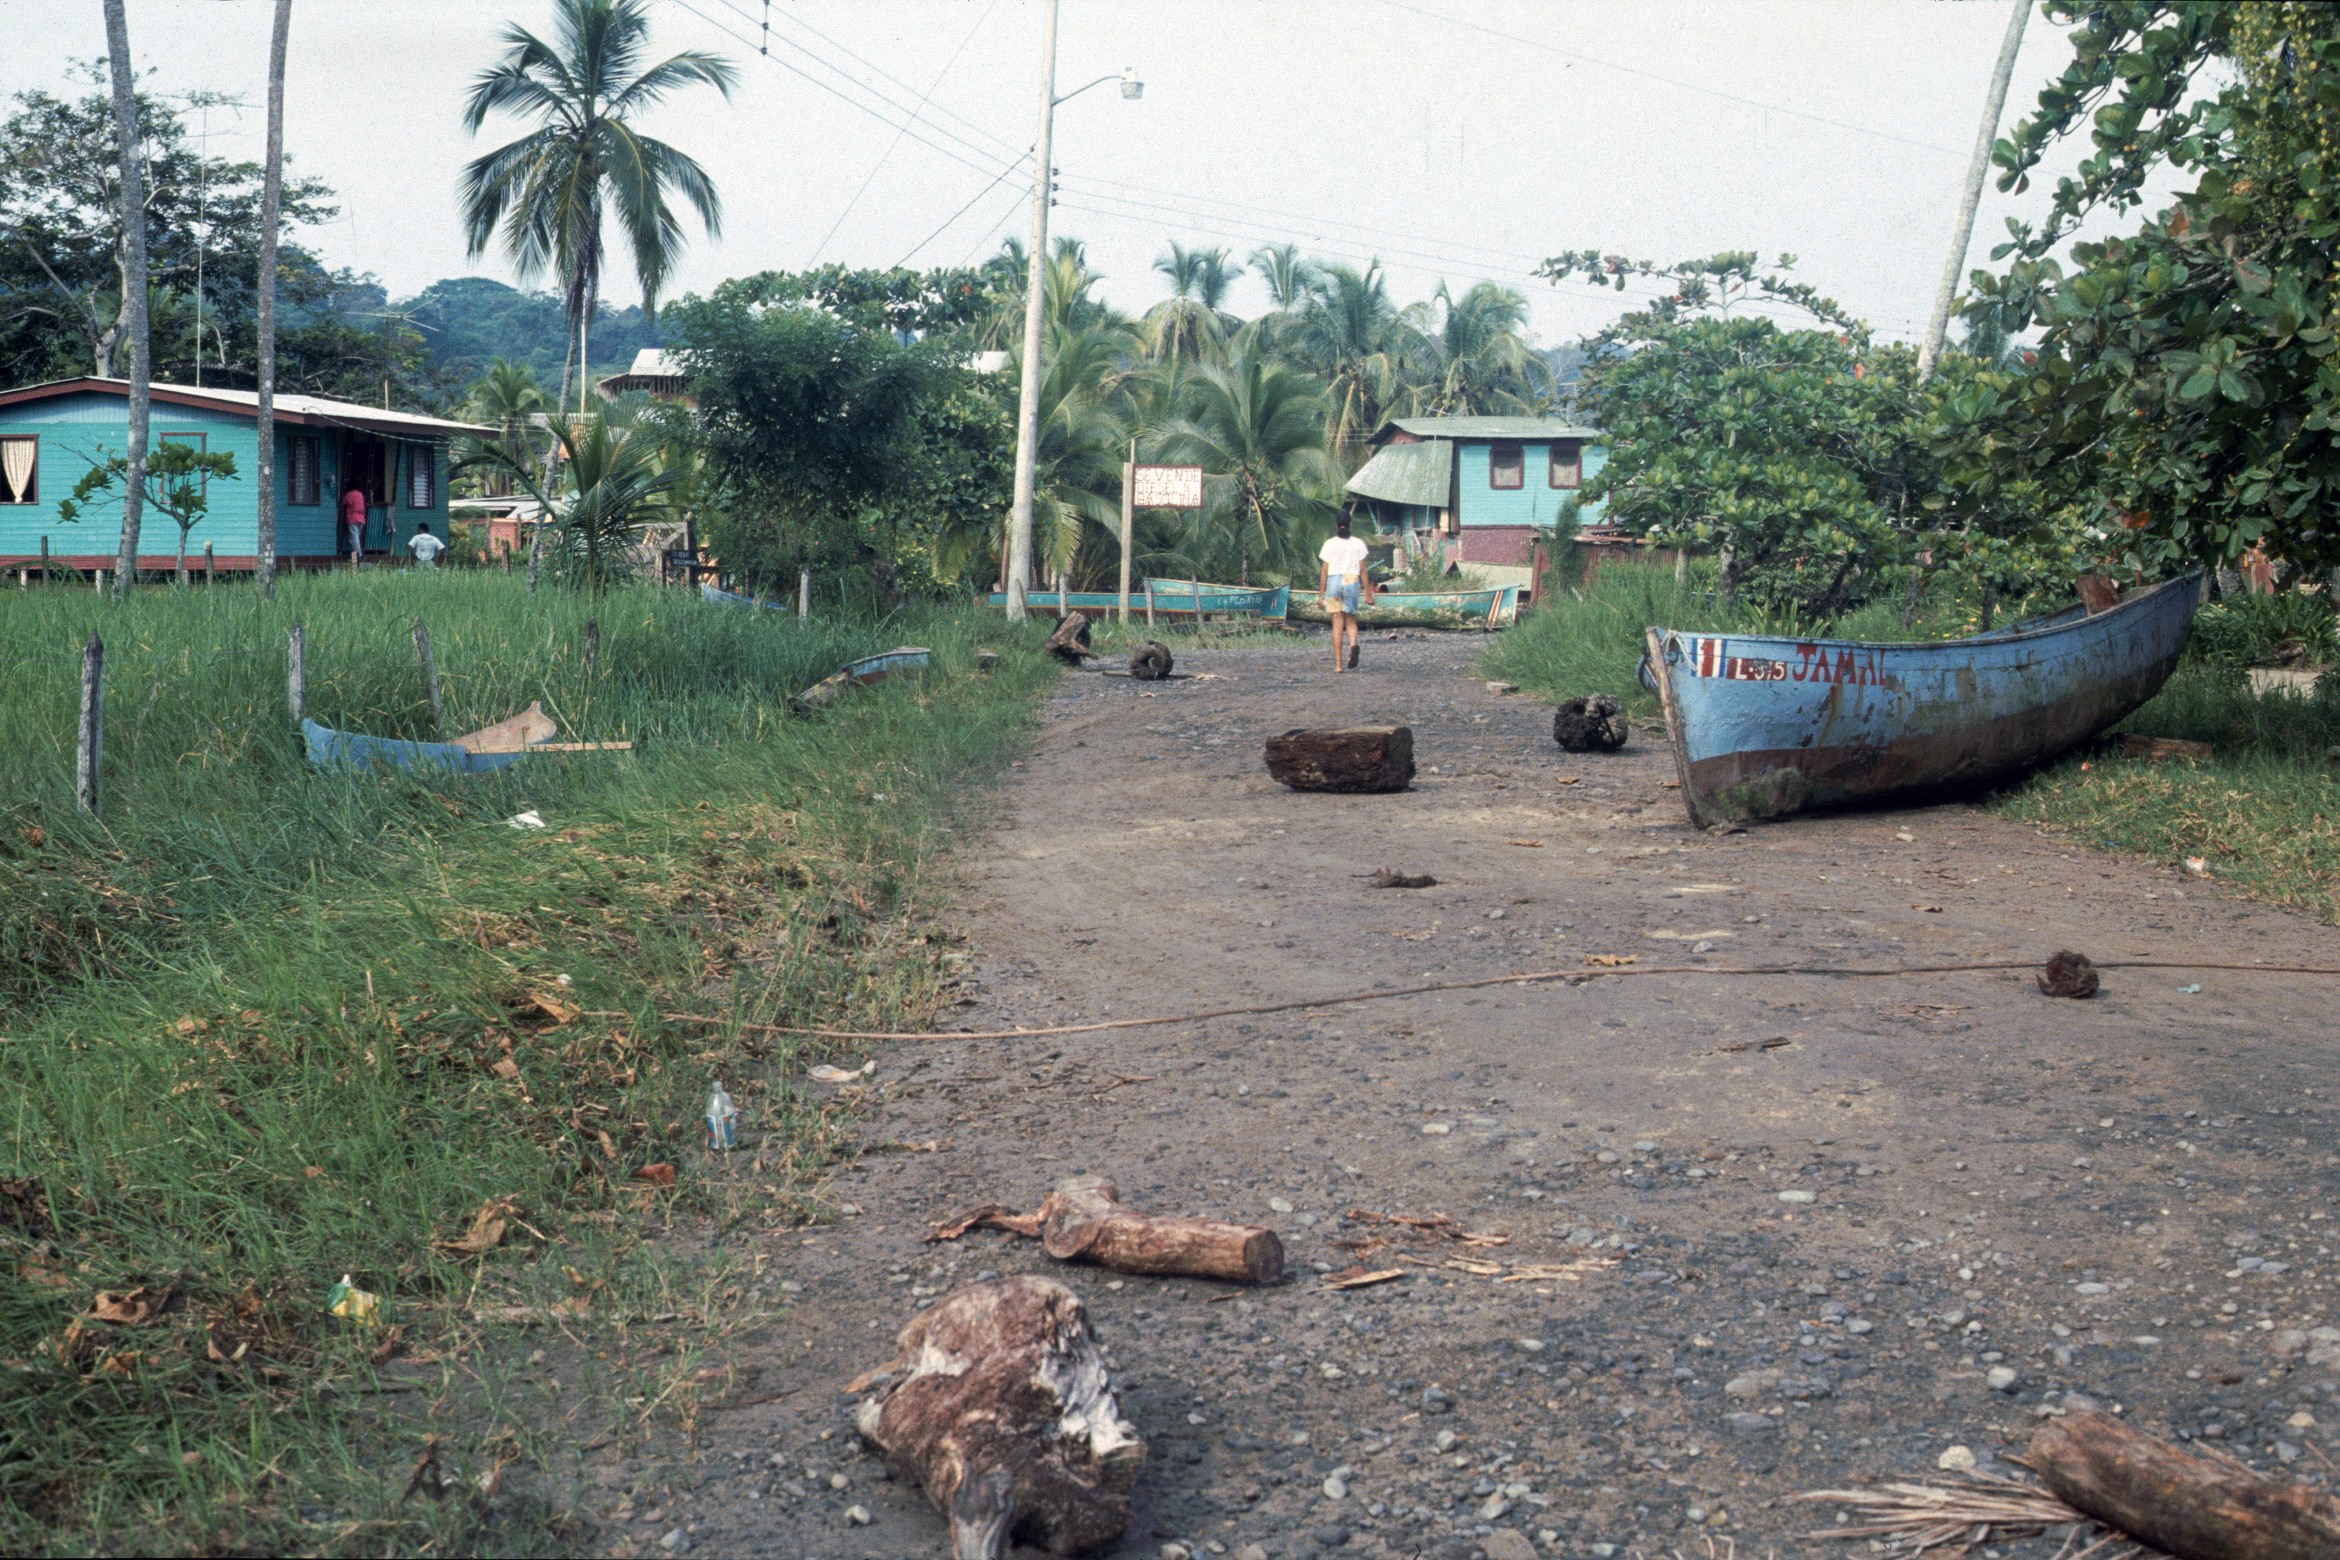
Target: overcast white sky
(1463, 139)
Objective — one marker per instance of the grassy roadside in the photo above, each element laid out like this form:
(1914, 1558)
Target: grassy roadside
(2264, 813)
(264, 1027)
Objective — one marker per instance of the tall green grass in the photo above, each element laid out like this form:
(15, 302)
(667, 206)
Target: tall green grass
(262, 1026)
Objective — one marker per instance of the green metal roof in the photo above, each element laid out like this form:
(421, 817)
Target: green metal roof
(1407, 474)
(1486, 428)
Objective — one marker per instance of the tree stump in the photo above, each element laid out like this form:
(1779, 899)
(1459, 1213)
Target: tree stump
(2193, 1507)
(1003, 1411)
(1083, 1220)
(1356, 758)
(1151, 661)
(1594, 724)
(1070, 642)
(2068, 974)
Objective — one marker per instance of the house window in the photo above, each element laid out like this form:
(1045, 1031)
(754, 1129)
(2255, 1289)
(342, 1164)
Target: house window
(1506, 466)
(1567, 465)
(196, 442)
(301, 485)
(421, 478)
(20, 471)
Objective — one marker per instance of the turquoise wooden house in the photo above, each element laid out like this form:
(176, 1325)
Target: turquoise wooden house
(50, 434)
(1476, 490)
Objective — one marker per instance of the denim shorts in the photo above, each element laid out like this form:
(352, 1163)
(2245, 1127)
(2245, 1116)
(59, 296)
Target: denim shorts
(1341, 596)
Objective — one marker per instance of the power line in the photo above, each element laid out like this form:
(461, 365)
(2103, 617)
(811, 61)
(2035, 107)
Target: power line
(1671, 81)
(956, 215)
(997, 223)
(905, 130)
(945, 108)
(856, 103)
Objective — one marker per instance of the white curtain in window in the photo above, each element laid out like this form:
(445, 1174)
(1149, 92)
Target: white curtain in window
(16, 467)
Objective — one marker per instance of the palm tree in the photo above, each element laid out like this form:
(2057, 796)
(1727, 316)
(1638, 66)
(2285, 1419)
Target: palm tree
(1257, 429)
(549, 190)
(1351, 336)
(618, 482)
(508, 398)
(1067, 286)
(1189, 325)
(1290, 279)
(1474, 355)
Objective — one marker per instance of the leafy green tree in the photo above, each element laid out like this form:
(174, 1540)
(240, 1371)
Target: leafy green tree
(2184, 388)
(1256, 428)
(177, 484)
(551, 192)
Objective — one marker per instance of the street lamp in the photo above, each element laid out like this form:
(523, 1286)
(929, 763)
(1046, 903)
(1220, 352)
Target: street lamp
(1019, 560)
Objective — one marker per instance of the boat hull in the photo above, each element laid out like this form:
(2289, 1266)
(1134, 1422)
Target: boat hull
(355, 753)
(731, 598)
(1490, 608)
(1763, 727)
(1171, 599)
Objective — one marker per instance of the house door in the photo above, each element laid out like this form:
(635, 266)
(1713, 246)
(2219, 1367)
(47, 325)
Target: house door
(366, 463)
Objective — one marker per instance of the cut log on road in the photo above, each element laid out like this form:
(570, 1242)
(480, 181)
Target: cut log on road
(1001, 1407)
(1356, 758)
(1070, 642)
(1594, 724)
(1151, 661)
(1083, 1220)
(2068, 974)
(2195, 1507)
(2164, 747)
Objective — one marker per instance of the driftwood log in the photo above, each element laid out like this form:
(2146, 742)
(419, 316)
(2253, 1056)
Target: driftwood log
(2098, 592)
(2165, 748)
(1595, 724)
(1150, 662)
(1083, 1220)
(999, 1404)
(2068, 974)
(1070, 642)
(1355, 758)
(2197, 1508)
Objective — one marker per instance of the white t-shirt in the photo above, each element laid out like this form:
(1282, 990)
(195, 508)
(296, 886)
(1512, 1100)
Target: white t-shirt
(1344, 557)
(426, 548)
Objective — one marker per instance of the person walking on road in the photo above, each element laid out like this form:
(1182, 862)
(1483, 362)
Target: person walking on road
(1345, 590)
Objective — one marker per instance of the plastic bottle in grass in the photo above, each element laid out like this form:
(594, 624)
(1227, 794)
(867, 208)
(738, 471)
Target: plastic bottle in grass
(722, 1120)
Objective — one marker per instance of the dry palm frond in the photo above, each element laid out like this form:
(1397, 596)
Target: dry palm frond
(1976, 1510)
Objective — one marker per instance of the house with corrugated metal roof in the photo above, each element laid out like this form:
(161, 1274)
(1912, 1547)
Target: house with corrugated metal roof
(51, 433)
(1476, 490)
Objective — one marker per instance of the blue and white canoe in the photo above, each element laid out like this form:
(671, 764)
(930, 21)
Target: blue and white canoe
(867, 672)
(1496, 604)
(355, 752)
(1762, 727)
(732, 598)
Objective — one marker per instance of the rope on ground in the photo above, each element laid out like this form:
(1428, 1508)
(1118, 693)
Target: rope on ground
(1575, 977)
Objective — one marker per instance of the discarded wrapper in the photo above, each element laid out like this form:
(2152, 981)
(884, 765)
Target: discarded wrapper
(825, 1073)
(526, 820)
(351, 1303)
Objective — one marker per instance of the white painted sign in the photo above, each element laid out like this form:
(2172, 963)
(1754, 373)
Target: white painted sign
(1167, 487)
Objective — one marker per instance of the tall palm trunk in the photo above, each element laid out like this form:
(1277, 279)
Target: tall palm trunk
(133, 286)
(271, 199)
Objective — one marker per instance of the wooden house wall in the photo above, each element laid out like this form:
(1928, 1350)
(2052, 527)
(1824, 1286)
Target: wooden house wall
(1535, 502)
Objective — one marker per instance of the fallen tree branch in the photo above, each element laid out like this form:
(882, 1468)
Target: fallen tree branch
(1083, 1220)
(2195, 1507)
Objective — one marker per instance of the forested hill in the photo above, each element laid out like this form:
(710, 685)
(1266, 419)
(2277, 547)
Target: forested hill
(468, 321)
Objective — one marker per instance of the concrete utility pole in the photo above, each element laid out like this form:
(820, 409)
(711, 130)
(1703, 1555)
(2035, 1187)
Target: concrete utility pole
(133, 163)
(1979, 165)
(1019, 562)
(271, 200)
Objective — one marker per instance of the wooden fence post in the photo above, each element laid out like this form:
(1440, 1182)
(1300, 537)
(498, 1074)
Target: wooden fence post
(1149, 603)
(88, 783)
(209, 578)
(592, 644)
(430, 672)
(296, 673)
(803, 594)
(44, 560)
(100, 580)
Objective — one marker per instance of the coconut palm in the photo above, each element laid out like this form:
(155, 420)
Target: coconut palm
(1067, 300)
(508, 399)
(617, 481)
(1191, 323)
(1473, 357)
(1351, 336)
(550, 192)
(1257, 428)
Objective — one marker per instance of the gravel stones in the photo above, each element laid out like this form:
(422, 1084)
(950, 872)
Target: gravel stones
(1508, 1544)
(1745, 1423)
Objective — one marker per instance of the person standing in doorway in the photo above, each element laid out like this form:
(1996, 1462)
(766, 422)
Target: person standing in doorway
(353, 520)
(425, 547)
(1343, 585)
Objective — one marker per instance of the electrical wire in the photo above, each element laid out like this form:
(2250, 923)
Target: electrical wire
(1672, 81)
(956, 215)
(788, 19)
(905, 130)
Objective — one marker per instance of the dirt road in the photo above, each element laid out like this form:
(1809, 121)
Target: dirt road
(1934, 1208)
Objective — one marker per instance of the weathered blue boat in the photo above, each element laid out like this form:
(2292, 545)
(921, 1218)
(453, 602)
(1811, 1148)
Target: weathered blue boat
(732, 598)
(867, 672)
(1172, 598)
(1489, 608)
(355, 752)
(1762, 727)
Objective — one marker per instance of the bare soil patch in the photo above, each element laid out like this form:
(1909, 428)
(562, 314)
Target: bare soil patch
(1762, 1235)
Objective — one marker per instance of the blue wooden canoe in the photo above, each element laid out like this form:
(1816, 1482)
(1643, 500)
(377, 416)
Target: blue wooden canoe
(353, 751)
(867, 672)
(1763, 727)
(732, 598)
